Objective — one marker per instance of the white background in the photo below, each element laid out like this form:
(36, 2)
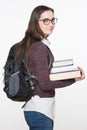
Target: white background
(69, 40)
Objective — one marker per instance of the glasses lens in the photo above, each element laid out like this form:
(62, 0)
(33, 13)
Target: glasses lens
(46, 21)
(54, 20)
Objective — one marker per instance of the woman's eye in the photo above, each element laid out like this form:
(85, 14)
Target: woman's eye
(46, 20)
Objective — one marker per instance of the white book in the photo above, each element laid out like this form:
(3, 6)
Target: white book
(65, 75)
(65, 62)
(63, 68)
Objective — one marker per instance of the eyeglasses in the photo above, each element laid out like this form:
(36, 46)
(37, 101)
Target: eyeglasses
(47, 21)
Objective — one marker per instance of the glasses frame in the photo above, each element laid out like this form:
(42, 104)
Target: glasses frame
(49, 20)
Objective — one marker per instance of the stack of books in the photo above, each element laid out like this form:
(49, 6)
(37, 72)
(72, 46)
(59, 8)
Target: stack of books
(64, 69)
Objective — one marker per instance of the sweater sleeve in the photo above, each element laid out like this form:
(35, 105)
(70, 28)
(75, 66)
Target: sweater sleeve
(39, 57)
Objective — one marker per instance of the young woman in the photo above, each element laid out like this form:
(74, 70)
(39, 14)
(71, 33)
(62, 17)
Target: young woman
(39, 110)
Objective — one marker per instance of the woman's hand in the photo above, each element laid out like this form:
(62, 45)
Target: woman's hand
(82, 75)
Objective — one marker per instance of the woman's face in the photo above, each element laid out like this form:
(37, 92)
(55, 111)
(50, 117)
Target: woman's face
(47, 22)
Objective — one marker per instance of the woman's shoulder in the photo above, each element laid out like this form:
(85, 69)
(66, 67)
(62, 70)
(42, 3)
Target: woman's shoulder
(39, 46)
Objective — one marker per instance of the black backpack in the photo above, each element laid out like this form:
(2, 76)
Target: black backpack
(18, 85)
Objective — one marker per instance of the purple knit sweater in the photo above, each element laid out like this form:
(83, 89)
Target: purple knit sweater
(38, 65)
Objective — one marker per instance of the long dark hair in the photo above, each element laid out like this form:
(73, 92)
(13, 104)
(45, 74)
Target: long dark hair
(32, 34)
